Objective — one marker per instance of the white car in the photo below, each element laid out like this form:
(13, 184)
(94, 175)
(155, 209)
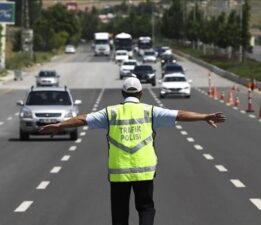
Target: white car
(121, 55)
(127, 67)
(175, 84)
(149, 56)
(69, 49)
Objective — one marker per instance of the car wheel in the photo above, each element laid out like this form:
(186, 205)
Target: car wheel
(162, 96)
(188, 96)
(74, 135)
(24, 135)
(121, 77)
(153, 83)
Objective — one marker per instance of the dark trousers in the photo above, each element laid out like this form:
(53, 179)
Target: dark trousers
(120, 197)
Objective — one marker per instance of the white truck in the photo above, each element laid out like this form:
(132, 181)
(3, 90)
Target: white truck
(102, 44)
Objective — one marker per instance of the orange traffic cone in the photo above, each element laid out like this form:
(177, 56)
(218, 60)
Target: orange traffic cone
(222, 96)
(215, 93)
(237, 103)
(230, 99)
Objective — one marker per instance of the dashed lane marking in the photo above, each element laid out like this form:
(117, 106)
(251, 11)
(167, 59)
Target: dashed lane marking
(65, 158)
(10, 118)
(178, 127)
(198, 147)
(79, 140)
(23, 206)
(237, 183)
(43, 185)
(72, 148)
(208, 156)
(190, 139)
(56, 169)
(1, 123)
(16, 114)
(256, 202)
(82, 133)
(252, 116)
(183, 132)
(221, 168)
(85, 128)
(243, 111)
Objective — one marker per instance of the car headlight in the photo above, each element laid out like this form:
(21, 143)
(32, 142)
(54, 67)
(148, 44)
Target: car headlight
(70, 114)
(151, 75)
(162, 61)
(26, 113)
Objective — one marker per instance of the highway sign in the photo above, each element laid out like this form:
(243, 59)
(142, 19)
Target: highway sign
(7, 12)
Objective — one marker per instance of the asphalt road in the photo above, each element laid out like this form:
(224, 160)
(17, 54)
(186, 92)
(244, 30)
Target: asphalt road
(205, 175)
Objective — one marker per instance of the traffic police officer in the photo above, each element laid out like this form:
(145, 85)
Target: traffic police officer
(132, 163)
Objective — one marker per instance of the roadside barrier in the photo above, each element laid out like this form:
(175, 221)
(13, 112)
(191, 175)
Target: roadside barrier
(250, 101)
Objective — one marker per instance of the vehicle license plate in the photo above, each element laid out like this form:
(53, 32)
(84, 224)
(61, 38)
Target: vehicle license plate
(48, 120)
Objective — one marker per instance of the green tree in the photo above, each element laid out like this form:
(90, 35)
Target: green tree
(245, 33)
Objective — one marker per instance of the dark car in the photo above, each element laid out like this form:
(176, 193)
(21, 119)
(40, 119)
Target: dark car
(167, 58)
(172, 68)
(145, 73)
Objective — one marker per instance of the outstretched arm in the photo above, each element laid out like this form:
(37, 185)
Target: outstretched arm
(72, 122)
(211, 118)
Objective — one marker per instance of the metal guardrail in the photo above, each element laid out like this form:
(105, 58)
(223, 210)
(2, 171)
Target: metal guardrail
(223, 73)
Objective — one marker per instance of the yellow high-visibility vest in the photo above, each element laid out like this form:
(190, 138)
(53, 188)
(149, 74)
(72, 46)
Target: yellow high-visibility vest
(131, 151)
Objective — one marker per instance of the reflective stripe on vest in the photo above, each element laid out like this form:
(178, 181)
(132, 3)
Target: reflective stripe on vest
(132, 170)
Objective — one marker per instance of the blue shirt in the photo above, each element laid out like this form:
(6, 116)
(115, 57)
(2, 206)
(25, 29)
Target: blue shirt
(161, 117)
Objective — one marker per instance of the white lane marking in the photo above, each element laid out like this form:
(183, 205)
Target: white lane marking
(23, 206)
(190, 139)
(252, 116)
(221, 168)
(65, 158)
(161, 105)
(82, 133)
(72, 148)
(183, 132)
(178, 127)
(198, 147)
(16, 114)
(79, 140)
(208, 156)
(43, 185)
(243, 111)
(96, 105)
(56, 169)
(85, 128)
(94, 109)
(237, 183)
(256, 202)
(9, 118)
(1, 123)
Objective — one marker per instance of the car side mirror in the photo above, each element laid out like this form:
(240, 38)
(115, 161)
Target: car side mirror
(133, 75)
(58, 76)
(77, 102)
(160, 81)
(154, 70)
(190, 81)
(20, 103)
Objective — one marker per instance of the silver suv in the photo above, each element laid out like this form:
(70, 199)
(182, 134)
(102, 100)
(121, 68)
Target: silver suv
(47, 78)
(46, 105)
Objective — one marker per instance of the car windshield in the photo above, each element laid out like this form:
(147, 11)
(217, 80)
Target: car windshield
(144, 69)
(47, 74)
(174, 69)
(174, 79)
(121, 53)
(149, 53)
(48, 98)
(129, 63)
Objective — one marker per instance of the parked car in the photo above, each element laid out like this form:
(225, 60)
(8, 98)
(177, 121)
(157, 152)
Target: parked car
(167, 58)
(172, 68)
(149, 56)
(47, 78)
(46, 105)
(127, 67)
(121, 55)
(145, 73)
(175, 84)
(69, 49)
